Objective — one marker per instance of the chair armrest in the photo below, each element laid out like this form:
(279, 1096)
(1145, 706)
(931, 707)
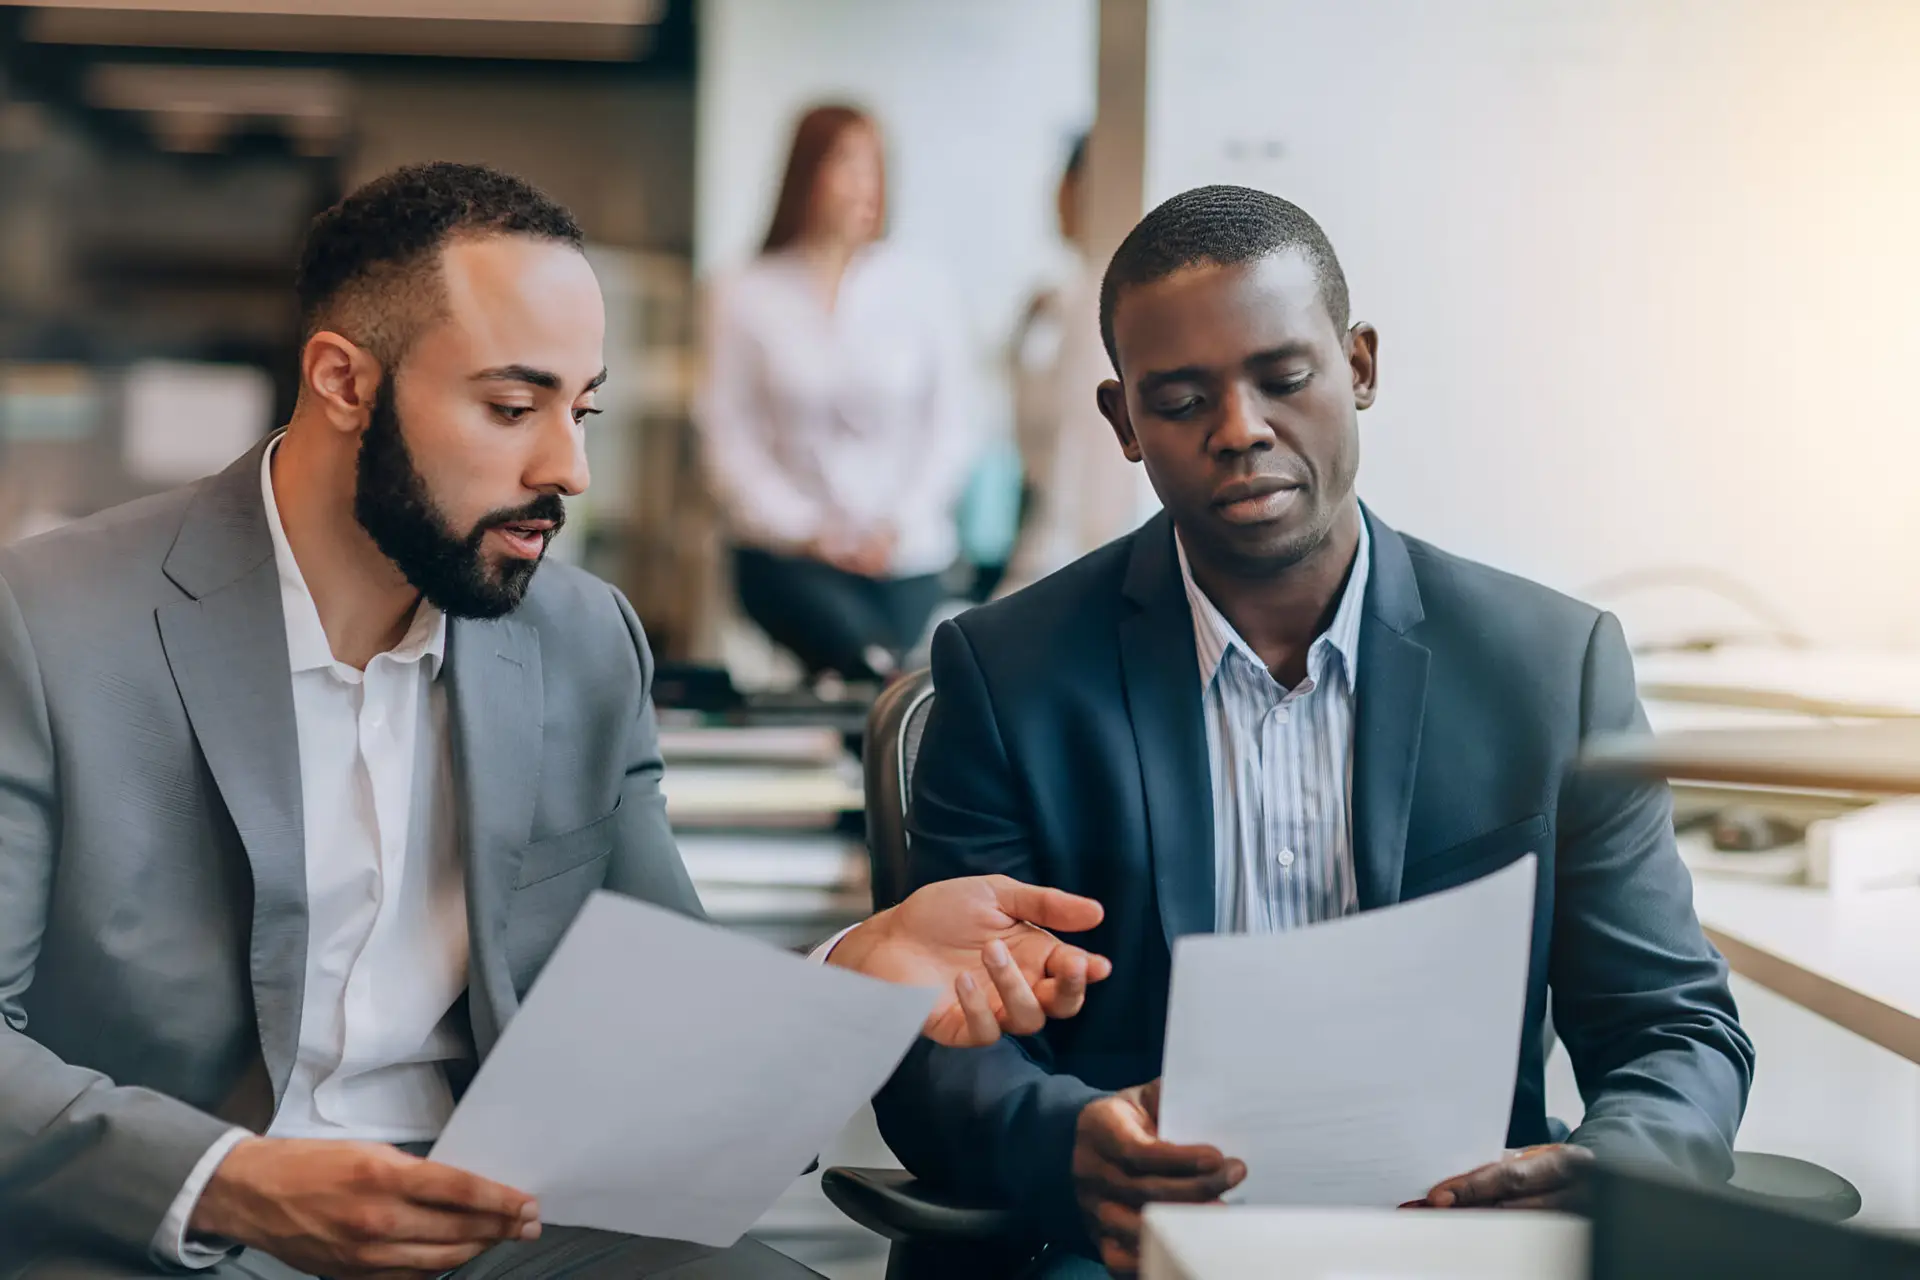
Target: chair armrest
(895, 1204)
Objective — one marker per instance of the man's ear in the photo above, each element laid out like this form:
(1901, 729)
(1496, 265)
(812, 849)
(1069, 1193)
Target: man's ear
(342, 378)
(1363, 357)
(1112, 399)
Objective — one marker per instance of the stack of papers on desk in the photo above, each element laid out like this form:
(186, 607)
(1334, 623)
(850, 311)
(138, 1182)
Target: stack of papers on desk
(1356, 1062)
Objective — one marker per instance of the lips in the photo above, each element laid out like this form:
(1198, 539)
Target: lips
(1251, 489)
(1256, 499)
(526, 538)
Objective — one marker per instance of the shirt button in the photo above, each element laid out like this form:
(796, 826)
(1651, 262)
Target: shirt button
(1286, 859)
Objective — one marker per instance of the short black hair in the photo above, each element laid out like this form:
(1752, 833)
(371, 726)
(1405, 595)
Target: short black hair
(1221, 226)
(369, 267)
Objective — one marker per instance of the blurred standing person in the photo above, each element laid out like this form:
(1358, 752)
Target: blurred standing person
(1080, 492)
(836, 413)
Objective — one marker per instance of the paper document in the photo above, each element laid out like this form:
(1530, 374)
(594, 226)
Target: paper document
(667, 1078)
(1356, 1062)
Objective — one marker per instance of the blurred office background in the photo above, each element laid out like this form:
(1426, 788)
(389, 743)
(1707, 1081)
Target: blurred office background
(1645, 273)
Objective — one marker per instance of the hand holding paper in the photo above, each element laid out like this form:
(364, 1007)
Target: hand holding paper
(666, 1078)
(1348, 1063)
(1121, 1164)
(985, 941)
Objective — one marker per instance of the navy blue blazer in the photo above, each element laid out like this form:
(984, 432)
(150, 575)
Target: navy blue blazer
(1066, 746)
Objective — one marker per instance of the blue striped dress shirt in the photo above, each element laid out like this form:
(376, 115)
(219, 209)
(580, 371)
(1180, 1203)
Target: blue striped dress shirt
(1282, 765)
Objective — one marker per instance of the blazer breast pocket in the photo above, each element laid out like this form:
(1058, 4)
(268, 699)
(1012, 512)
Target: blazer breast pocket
(568, 851)
(1471, 859)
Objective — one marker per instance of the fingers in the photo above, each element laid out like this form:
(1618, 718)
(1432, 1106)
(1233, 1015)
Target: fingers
(394, 1223)
(1064, 990)
(1131, 1146)
(1048, 908)
(1020, 1011)
(1539, 1171)
(430, 1259)
(447, 1187)
(1202, 1188)
(982, 1026)
(1567, 1198)
(1116, 1228)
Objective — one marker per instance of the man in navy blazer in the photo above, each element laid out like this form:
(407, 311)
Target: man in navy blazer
(1267, 708)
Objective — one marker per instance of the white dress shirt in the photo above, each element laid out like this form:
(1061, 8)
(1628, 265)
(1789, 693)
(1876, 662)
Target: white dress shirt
(1282, 766)
(386, 897)
(850, 418)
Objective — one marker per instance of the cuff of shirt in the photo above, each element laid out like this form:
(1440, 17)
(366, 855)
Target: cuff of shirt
(820, 953)
(170, 1243)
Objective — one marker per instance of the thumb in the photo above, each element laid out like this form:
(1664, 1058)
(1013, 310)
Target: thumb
(1048, 908)
(1150, 1100)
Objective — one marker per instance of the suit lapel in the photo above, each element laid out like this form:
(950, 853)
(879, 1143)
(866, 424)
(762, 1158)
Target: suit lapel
(1162, 677)
(227, 648)
(496, 700)
(1389, 706)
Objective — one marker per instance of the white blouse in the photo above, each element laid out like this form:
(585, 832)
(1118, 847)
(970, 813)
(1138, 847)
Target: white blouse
(852, 417)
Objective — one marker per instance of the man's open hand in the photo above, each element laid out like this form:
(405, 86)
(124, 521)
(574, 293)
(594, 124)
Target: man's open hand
(1551, 1177)
(351, 1209)
(985, 939)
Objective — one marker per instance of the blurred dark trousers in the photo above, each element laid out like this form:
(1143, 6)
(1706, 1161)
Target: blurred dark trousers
(829, 618)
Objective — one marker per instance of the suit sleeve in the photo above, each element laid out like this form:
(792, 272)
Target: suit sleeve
(79, 1155)
(995, 1123)
(1640, 997)
(646, 863)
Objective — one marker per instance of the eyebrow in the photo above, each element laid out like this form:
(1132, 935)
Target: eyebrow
(542, 378)
(1198, 373)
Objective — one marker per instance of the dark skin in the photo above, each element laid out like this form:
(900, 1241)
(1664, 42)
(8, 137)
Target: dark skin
(1242, 399)
(1241, 396)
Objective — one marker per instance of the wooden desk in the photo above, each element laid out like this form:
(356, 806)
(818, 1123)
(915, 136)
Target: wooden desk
(1212, 1242)
(1854, 960)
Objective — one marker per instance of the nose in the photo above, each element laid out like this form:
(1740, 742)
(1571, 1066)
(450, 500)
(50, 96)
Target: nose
(559, 462)
(1242, 427)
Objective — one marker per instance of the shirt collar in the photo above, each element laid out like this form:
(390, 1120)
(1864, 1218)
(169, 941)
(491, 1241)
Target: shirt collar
(307, 647)
(1214, 637)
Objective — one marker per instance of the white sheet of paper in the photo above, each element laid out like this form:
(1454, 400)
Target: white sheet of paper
(667, 1078)
(1356, 1062)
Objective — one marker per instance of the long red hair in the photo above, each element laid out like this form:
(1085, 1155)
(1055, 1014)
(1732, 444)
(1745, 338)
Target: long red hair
(813, 140)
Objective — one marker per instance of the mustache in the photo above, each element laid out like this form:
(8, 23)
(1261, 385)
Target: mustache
(546, 507)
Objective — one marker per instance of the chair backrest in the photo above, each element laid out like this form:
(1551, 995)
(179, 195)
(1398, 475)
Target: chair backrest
(894, 726)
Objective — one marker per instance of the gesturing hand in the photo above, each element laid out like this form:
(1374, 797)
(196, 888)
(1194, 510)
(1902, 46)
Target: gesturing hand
(351, 1209)
(985, 939)
(1551, 1177)
(1120, 1165)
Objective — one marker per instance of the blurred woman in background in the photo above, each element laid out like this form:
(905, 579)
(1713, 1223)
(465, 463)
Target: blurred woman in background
(1080, 491)
(835, 414)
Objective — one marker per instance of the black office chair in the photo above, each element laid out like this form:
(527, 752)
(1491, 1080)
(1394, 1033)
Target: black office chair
(936, 1236)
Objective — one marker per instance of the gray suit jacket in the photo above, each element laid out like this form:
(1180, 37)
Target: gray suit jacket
(153, 922)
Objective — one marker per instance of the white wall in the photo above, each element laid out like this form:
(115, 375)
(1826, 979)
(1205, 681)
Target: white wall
(1647, 272)
(979, 101)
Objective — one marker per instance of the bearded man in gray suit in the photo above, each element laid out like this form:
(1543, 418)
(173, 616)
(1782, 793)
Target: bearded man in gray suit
(304, 770)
